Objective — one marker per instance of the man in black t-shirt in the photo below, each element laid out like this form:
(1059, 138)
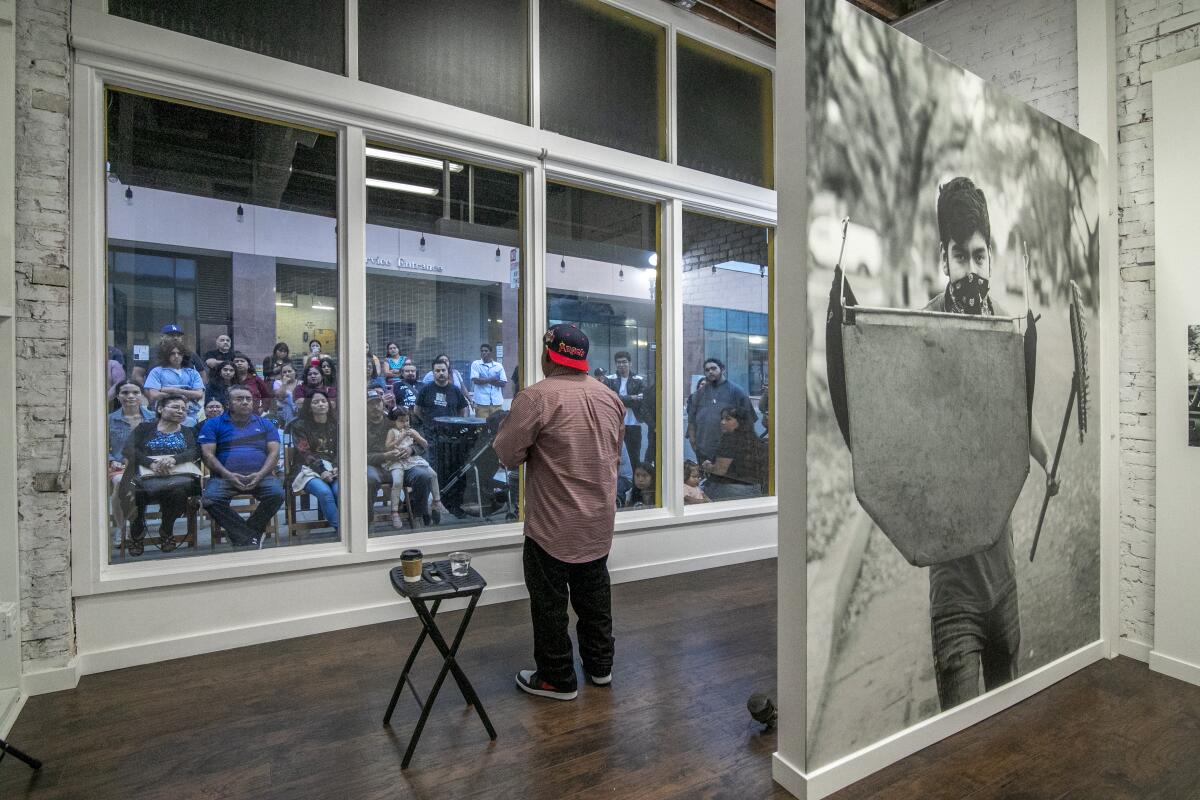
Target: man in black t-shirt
(443, 399)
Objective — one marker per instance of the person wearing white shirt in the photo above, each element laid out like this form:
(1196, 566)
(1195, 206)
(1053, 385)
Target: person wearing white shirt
(489, 380)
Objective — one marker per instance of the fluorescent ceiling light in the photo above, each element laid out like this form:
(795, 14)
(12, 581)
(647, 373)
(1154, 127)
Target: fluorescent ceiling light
(395, 186)
(320, 307)
(285, 305)
(409, 158)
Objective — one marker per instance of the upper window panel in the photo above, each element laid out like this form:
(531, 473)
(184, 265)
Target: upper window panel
(603, 76)
(307, 32)
(725, 114)
(463, 52)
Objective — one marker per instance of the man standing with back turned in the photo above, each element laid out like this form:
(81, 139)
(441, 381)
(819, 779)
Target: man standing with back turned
(567, 429)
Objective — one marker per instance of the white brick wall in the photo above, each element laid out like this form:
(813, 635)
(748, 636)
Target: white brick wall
(1026, 47)
(43, 280)
(1151, 35)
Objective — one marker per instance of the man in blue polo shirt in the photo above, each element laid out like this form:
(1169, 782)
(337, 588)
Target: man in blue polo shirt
(241, 450)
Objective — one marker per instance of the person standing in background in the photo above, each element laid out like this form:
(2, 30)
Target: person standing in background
(489, 380)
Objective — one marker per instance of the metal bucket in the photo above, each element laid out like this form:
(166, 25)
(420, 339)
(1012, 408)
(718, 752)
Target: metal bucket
(939, 427)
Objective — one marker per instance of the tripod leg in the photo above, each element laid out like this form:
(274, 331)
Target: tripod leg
(5, 747)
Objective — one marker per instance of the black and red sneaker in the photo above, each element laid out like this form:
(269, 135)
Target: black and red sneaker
(528, 681)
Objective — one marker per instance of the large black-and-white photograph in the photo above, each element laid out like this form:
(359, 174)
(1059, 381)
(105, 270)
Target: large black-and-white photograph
(1193, 363)
(953, 486)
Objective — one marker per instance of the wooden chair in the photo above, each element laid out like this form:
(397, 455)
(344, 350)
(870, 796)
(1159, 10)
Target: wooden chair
(193, 524)
(386, 488)
(295, 502)
(247, 507)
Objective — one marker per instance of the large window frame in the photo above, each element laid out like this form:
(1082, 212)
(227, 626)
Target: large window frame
(123, 54)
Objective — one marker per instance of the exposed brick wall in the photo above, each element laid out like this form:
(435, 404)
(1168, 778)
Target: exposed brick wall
(1151, 35)
(1027, 47)
(43, 280)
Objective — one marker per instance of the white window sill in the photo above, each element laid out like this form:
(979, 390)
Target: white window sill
(232, 566)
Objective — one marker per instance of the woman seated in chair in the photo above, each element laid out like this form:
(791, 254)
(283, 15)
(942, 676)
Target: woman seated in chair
(168, 472)
(740, 466)
(315, 438)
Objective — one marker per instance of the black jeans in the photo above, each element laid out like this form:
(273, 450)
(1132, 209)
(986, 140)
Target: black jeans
(550, 583)
(633, 443)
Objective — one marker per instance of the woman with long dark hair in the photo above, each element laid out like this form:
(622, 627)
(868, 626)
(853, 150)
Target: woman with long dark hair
(274, 363)
(393, 362)
(222, 377)
(315, 439)
(172, 378)
(739, 468)
(248, 378)
(313, 381)
(163, 467)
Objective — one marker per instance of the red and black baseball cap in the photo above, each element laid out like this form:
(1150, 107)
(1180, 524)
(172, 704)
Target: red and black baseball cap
(567, 345)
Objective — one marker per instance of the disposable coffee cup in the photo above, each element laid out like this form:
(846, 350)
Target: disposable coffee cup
(410, 565)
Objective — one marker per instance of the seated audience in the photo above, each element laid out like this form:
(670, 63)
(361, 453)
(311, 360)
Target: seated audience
(222, 353)
(173, 334)
(455, 376)
(328, 370)
(284, 388)
(273, 364)
(166, 455)
(378, 454)
(642, 493)
(315, 470)
(121, 423)
(393, 362)
(313, 381)
(247, 377)
(740, 466)
(314, 352)
(221, 377)
(241, 450)
(116, 376)
(172, 379)
(692, 493)
(405, 390)
(402, 438)
(375, 370)
(213, 408)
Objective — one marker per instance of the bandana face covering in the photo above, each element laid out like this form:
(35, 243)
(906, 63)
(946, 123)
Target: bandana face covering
(968, 294)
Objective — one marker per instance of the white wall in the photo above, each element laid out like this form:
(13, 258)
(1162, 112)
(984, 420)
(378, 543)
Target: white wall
(1151, 35)
(116, 630)
(1176, 545)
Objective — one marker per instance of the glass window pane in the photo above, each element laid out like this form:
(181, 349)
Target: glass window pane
(725, 114)
(199, 202)
(443, 339)
(463, 52)
(726, 317)
(603, 76)
(602, 274)
(307, 32)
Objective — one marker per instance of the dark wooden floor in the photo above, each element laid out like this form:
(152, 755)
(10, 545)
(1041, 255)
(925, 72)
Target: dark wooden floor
(300, 719)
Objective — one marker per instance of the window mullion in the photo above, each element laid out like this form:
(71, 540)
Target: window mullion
(355, 513)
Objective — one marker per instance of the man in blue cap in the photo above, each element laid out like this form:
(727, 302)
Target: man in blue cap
(173, 334)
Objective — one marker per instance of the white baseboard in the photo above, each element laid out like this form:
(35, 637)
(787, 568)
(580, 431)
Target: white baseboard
(11, 703)
(51, 680)
(856, 766)
(1131, 648)
(1174, 667)
(140, 653)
